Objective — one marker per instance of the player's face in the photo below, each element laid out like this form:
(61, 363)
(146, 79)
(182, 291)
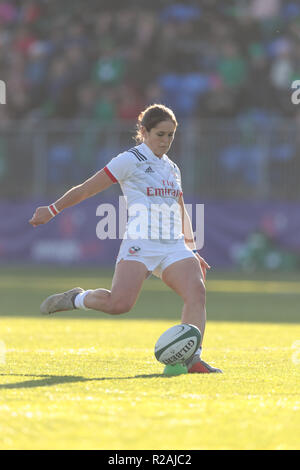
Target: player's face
(160, 138)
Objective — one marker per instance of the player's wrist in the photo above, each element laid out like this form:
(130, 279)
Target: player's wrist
(53, 210)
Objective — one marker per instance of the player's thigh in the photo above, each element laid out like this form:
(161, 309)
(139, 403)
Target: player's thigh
(127, 281)
(185, 278)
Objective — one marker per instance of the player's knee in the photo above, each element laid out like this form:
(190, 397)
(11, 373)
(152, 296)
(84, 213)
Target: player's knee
(197, 294)
(202, 291)
(120, 306)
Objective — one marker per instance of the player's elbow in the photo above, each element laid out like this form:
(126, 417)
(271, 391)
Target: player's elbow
(84, 191)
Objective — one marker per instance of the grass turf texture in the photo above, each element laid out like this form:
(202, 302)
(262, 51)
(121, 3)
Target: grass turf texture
(85, 380)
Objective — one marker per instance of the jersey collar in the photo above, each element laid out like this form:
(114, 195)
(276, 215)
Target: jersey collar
(149, 154)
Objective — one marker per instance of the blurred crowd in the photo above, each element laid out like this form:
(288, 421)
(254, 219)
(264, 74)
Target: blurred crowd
(106, 60)
(99, 62)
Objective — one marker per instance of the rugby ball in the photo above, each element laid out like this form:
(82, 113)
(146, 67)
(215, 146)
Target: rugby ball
(177, 344)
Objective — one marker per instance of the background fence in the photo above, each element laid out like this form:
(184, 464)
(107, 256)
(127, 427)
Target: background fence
(250, 159)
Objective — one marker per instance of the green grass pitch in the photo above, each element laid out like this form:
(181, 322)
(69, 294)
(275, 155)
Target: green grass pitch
(86, 380)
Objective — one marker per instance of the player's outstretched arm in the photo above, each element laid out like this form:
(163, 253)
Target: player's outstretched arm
(97, 183)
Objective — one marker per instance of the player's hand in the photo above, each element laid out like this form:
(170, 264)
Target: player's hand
(41, 216)
(203, 264)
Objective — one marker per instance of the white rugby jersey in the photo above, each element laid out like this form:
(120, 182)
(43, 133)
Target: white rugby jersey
(152, 187)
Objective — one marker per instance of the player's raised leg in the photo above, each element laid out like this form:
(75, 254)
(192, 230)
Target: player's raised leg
(126, 285)
(185, 278)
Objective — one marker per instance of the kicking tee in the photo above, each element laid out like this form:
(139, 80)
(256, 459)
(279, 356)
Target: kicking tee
(152, 188)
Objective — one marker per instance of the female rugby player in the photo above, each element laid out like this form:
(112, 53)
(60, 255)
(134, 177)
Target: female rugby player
(147, 176)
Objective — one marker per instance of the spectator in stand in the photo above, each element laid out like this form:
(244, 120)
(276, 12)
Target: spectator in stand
(130, 103)
(194, 54)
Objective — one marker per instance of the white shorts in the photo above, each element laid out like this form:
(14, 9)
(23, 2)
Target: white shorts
(155, 255)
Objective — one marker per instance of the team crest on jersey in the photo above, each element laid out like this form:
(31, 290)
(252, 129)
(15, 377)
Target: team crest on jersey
(133, 249)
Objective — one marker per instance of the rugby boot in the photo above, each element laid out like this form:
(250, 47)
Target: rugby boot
(198, 366)
(60, 302)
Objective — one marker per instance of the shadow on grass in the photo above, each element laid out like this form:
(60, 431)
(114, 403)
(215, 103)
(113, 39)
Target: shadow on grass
(48, 380)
